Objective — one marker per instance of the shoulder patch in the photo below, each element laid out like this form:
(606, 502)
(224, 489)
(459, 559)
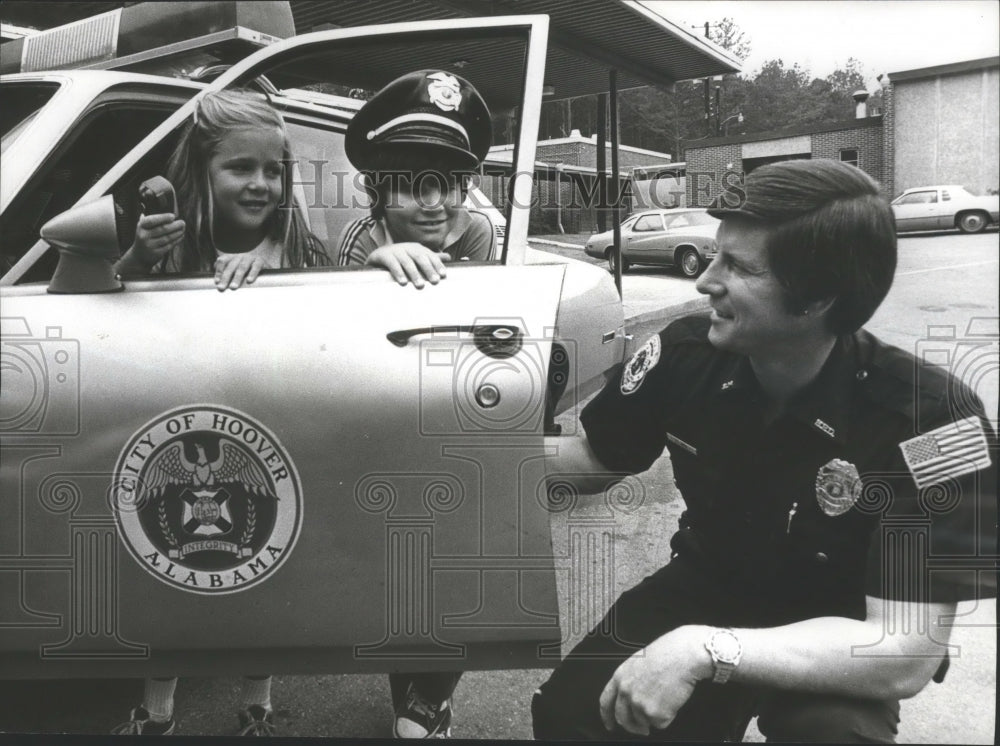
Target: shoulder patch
(643, 361)
(950, 451)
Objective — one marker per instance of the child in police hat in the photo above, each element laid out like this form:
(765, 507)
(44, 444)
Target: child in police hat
(418, 143)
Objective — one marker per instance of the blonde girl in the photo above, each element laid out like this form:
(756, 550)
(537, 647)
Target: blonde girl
(235, 211)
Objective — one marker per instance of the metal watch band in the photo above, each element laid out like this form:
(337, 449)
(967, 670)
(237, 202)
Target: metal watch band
(724, 661)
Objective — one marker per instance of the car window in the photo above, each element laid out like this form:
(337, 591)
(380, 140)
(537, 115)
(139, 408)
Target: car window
(103, 136)
(493, 62)
(326, 185)
(944, 195)
(316, 131)
(677, 221)
(22, 101)
(330, 186)
(701, 218)
(918, 198)
(647, 223)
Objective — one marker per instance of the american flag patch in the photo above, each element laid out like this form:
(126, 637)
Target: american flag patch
(949, 451)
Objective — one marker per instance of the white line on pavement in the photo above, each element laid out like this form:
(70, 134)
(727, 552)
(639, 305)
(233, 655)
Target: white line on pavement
(950, 266)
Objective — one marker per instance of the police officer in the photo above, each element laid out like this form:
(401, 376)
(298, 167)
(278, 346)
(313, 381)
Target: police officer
(823, 472)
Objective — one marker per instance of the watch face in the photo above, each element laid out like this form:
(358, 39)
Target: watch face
(726, 646)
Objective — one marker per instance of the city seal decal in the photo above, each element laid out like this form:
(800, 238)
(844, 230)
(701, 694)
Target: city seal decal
(838, 487)
(643, 361)
(207, 500)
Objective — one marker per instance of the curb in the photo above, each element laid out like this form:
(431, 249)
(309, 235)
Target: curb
(644, 325)
(560, 244)
(668, 313)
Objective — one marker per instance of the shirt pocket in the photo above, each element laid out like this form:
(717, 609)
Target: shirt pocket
(823, 559)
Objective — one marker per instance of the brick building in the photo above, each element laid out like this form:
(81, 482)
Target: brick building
(939, 126)
(565, 193)
(858, 141)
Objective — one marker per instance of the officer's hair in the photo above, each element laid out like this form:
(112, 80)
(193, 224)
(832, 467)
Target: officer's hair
(412, 162)
(216, 117)
(832, 235)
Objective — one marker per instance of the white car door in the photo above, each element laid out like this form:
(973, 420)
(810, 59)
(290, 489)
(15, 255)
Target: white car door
(645, 241)
(322, 472)
(917, 211)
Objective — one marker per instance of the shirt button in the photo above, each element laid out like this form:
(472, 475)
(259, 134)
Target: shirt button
(821, 557)
(861, 374)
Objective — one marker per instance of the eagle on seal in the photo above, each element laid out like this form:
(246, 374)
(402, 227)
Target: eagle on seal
(171, 466)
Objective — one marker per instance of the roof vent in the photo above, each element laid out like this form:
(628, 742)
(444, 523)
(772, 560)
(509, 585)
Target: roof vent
(860, 107)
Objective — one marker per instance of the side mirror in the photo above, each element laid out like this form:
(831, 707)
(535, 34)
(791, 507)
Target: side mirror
(87, 237)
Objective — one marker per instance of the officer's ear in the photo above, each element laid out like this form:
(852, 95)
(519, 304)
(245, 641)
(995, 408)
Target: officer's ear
(818, 307)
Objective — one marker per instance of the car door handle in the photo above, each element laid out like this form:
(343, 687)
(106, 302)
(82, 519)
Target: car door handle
(402, 336)
(495, 340)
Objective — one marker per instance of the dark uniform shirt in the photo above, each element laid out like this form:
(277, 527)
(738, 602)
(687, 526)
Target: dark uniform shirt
(755, 491)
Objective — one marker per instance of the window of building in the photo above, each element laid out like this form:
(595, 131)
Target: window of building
(849, 155)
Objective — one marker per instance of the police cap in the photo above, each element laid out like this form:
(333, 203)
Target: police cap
(430, 108)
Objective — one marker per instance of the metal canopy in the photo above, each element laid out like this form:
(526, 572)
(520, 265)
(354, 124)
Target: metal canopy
(587, 37)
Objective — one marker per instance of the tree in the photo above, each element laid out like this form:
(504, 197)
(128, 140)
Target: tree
(848, 79)
(774, 98)
(730, 37)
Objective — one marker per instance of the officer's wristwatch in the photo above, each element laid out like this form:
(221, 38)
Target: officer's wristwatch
(726, 651)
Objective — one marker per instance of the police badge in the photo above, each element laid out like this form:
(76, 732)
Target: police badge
(444, 91)
(838, 487)
(640, 364)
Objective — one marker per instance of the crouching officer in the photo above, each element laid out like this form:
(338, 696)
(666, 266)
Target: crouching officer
(822, 470)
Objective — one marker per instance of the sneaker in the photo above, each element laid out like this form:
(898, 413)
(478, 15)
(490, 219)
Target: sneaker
(141, 724)
(420, 718)
(256, 721)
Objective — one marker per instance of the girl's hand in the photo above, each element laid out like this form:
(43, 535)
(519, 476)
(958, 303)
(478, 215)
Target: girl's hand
(155, 237)
(410, 262)
(232, 270)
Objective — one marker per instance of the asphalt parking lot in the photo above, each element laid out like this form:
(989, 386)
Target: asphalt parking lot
(945, 294)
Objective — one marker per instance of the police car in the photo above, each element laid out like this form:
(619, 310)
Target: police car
(322, 472)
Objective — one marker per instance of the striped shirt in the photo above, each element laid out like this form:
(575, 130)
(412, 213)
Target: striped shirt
(360, 238)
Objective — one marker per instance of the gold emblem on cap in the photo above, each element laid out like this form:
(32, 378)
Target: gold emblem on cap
(838, 487)
(444, 91)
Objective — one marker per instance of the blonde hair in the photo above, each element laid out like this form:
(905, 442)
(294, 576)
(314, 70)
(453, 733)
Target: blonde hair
(216, 116)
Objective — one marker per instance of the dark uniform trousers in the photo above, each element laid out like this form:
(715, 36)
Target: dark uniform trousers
(567, 706)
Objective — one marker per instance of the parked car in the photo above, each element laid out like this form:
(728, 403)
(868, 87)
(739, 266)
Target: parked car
(389, 511)
(942, 207)
(682, 238)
